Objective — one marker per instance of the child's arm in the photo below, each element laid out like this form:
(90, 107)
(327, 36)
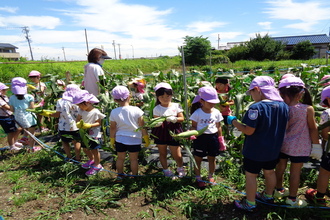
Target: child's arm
(113, 129)
(193, 125)
(141, 124)
(32, 106)
(78, 118)
(243, 127)
(6, 107)
(218, 125)
(180, 117)
(96, 123)
(313, 132)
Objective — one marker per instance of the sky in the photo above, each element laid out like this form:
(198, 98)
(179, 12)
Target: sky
(66, 29)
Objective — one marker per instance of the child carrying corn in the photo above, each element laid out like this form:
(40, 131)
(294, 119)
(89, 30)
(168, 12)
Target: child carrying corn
(208, 144)
(124, 121)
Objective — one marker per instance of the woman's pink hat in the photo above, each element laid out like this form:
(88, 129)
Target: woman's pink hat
(34, 73)
(18, 86)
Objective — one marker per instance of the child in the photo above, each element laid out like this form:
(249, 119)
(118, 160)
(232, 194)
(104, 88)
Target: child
(264, 128)
(208, 144)
(317, 195)
(67, 113)
(300, 133)
(93, 72)
(21, 101)
(124, 121)
(174, 112)
(7, 120)
(222, 87)
(92, 122)
(137, 88)
(35, 77)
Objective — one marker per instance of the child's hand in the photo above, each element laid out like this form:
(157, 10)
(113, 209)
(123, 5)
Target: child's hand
(158, 124)
(316, 151)
(172, 119)
(112, 143)
(146, 140)
(230, 119)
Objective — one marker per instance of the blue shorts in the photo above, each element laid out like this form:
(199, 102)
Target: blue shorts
(69, 136)
(255, 167)
(92, 144)
(206, 145)
(325, 163)
(120, 147)
(294, 159)
(8, 123)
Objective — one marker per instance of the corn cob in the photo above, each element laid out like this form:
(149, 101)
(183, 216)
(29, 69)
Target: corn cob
(31, 87)
(190, 133)
(152, 123)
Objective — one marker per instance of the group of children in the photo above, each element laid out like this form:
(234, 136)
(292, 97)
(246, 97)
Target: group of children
(280, 126)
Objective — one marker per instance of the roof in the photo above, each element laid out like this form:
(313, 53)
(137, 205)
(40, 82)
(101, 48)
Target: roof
(4, 45)
(314, 39)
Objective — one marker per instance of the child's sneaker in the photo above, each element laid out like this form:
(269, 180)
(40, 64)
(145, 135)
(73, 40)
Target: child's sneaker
(212, 181)
(94, 170)
(88, 164)
(298, 203)
(279, 194)
(181, 172)
(168, 173)
(245, 206)
(263, 198)
(18, 144)
(311, 196)
(119, 178)
(24, 140)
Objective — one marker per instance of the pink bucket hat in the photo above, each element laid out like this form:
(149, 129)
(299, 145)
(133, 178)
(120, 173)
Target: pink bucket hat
(70, 92)
(18, 86)
(291, 81)
(287, 76)
(34, 73)
(208, 94)
(324, 78)
(120, 92)
(162, 85)
(84, 96)
(3, 86)
(267, 87)
(324, 94)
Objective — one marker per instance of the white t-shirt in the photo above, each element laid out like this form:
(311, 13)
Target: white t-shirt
(91, 77)
(172, 110)
(203, 119)
(127, 118)
(68, 115)
(91, 117)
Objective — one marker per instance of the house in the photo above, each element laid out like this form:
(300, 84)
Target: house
(8, 51)
(320, 42)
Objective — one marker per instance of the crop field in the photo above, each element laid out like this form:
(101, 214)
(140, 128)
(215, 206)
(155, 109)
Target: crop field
(41, 185)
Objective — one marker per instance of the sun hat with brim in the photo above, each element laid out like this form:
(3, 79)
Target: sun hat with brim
(105, 57)
(324, 78)
(287, 76)
(325, 94)
(162, 85)
(291, 81)
(34, 73)
(18, 86)
(70, 92)
(3, 86)
(267, 86)
(120, 92)
(208, 94)
(84, 96)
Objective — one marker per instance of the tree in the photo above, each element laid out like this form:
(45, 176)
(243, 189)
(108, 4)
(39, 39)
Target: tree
(237, 53)
(261, 48)
(303, 51)
(196, 49)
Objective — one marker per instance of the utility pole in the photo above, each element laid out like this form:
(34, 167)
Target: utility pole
(132, 52)
(114, 49)
(27, 36)
(64, 53)
(218, 41)
(119, 51)
(86, 42)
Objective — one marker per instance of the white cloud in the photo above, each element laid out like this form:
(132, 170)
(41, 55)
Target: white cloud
(47, 22)
(9, 9)
(266, 25)
(201, 26)
(308, 13)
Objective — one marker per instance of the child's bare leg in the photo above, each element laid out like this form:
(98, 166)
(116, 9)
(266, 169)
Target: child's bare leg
(270, 181)
(198, 163)
(295, 170)
(120, 162)
(97, 157)
(77, 149)
(279, 172)
(88, 153)
(66, 147)
(133, 157)
(211, 161)
(251, 186)
(177, 155)
(323, 180)
(162, 149)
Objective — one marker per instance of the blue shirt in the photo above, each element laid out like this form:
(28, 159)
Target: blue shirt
(269, 118)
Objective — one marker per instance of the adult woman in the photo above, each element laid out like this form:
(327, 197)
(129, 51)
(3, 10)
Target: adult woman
(93, 71)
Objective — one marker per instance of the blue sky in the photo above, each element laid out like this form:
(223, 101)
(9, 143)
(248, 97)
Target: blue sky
(145, 28)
